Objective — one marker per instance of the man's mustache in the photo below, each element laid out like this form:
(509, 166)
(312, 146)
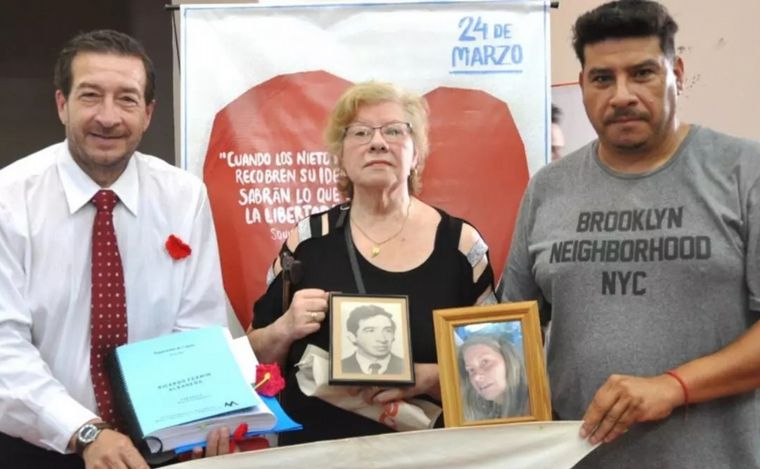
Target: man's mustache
(626, 114)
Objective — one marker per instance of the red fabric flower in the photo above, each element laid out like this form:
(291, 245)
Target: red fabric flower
(240, 431)
(269, 380)
(239, 442)
(177, 248)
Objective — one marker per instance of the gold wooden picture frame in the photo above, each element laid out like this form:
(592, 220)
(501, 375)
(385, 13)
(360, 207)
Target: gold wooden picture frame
(491, 364)
(370, 342)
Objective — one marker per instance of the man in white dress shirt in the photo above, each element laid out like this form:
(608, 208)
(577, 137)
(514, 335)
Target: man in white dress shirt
(48, 411)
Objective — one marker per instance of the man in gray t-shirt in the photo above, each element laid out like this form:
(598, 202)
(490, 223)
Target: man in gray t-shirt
(643, 248)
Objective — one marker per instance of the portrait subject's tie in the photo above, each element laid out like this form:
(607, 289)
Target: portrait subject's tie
(374, 368)
(108, 310)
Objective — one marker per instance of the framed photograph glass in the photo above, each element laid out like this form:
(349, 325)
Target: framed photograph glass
(369, 340)
(491, 364)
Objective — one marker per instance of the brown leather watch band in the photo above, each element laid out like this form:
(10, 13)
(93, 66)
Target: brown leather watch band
(79, 445)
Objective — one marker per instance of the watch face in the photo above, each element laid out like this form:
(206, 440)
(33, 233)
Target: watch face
(88, 433)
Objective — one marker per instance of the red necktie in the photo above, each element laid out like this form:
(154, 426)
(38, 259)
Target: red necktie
(108, 322)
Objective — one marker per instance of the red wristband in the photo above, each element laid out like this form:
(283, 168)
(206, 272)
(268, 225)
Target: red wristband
(683, 386)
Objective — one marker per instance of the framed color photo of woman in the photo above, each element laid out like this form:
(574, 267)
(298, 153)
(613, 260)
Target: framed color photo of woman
(491, 364)
(369, 340)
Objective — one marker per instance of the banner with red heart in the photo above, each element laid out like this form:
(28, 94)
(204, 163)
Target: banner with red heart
(266, 168)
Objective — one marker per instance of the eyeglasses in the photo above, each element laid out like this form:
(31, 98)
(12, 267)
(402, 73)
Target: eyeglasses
(391, 132)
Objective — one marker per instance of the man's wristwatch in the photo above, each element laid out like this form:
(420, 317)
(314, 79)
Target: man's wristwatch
(87, 434)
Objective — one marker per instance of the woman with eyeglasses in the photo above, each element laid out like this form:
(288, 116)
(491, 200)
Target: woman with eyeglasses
(378, 137)
(492, 379)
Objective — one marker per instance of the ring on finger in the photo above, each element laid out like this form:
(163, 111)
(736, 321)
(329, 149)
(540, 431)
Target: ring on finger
(314, 316)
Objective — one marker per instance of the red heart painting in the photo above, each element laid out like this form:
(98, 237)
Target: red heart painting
(266, 168)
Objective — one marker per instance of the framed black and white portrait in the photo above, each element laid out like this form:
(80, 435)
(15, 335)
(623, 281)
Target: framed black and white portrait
(491, 364)
(369, 340)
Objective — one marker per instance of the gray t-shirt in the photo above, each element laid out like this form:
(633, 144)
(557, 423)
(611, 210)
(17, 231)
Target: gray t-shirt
(641, 273)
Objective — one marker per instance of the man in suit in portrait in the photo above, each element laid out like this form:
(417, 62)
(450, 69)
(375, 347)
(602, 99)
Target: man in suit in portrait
(372, 330)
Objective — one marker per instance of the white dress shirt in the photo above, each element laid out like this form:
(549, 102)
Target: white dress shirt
(45, 249)
(366, 363)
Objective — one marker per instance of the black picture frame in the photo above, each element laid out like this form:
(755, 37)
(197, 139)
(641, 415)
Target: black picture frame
(370, 332)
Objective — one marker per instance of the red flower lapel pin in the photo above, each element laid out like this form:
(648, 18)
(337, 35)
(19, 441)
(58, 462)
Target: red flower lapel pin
(177, 248)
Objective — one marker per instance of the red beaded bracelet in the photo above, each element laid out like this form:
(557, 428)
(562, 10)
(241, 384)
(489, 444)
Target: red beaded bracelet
(683, 386)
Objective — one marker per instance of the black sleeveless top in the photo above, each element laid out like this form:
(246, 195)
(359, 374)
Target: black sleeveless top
(443, 280)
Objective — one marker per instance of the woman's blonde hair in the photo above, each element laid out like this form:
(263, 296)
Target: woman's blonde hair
(373, 92)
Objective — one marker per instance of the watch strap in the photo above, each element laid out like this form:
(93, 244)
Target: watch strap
(79, 446)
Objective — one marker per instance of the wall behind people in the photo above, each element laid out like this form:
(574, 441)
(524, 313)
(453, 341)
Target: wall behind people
(717, 41)
(31, 34)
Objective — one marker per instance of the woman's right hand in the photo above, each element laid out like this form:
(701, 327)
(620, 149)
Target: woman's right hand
(306, 313)
(303, 317)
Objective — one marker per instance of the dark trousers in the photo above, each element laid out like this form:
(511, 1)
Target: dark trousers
(16, 453)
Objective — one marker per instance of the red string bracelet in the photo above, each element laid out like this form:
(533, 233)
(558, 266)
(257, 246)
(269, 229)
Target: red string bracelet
(683, 387)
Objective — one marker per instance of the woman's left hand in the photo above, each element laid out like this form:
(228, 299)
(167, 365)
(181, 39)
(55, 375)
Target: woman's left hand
(426, 382)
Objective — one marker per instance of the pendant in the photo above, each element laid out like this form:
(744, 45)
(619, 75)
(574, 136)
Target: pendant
(375, 251)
